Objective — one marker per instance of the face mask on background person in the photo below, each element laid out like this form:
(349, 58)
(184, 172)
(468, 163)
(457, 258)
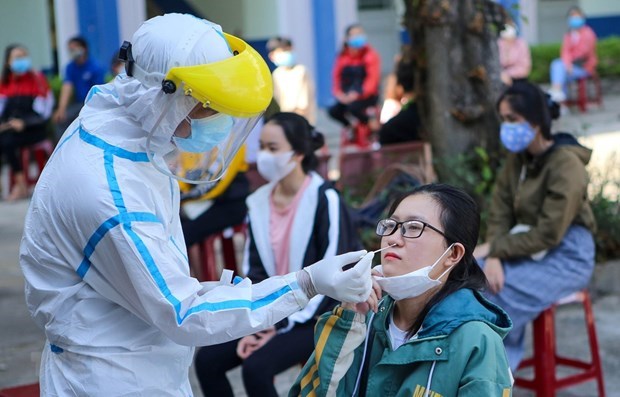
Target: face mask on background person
(21, 65)
(357, 41)
(411, 284)
(206, 133)
(509, 32)
(284, 58)
(576, 21)
(274, 166)
(77, 53)
(516, 137)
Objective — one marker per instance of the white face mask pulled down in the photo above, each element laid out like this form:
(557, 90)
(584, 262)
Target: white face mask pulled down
(274, 167)
(411, 284)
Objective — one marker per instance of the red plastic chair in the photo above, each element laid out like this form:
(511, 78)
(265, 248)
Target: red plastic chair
(359, 135)
(31, 390)
(229, 258)
(545, 359)
(584, 91)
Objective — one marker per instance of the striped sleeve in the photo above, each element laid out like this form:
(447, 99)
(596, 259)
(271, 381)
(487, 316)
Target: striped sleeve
(337, 335)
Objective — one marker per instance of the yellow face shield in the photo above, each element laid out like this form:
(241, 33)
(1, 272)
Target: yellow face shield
(239, 86)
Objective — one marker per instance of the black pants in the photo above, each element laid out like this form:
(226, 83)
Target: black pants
(280, 353)
(357, 109)
(219, 216)
(11, 142)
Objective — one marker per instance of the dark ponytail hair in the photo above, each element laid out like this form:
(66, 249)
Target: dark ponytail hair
(303, 137)
(533, 104)
(460, 220)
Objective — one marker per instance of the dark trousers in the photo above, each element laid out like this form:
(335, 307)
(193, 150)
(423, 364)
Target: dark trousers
(11, 142)
(356, 109)
(219, 216)
(280, 353)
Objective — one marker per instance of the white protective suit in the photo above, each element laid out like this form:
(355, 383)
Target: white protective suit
(103, 254)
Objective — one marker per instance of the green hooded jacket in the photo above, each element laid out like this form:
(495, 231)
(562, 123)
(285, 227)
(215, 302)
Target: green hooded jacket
(548, 192)
(457, 352)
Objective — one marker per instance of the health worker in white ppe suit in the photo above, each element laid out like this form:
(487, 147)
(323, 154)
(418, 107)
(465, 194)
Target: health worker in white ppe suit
(103, 255)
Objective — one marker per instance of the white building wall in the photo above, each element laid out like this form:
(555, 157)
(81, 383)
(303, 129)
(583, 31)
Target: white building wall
(65, 12)
(295, 22)
(529, 20)
(131, 14)
(345, 13)
(596, 8)
(552, 19)
(27, 22)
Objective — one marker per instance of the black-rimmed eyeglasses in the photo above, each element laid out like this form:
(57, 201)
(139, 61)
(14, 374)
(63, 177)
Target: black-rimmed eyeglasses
(408, 229)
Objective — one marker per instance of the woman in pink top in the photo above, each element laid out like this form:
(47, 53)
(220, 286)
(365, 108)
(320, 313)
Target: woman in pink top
(294, 220)
(578, 55)
(514, 55)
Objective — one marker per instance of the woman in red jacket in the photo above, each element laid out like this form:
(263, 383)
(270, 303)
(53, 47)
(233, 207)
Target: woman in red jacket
(26, 103)
(356, 77)
(577, 55)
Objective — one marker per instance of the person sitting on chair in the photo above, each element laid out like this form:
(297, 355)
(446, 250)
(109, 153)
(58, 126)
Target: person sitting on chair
(356, 77)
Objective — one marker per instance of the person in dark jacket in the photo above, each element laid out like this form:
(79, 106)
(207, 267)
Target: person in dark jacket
(294, 220)
(26, 103)
(356, 78)
(539, 245)
(405, 126)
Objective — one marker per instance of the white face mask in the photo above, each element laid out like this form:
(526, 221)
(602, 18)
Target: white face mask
(509, 32)
(274, 167)
(411, 284)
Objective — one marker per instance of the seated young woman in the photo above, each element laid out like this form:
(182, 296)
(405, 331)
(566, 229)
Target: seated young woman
(434, 334)
(295, 220)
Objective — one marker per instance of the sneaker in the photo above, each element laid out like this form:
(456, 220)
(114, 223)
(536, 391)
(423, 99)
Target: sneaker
(557, 95)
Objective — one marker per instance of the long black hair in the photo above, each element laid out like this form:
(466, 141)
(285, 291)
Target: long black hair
(6, 68)
(536, 106)
(302, 136)
(460, 220)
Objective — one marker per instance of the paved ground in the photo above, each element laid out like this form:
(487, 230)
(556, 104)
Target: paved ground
(21, 341)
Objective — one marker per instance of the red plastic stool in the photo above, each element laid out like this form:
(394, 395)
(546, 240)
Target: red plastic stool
(31, 390)
(588, 91)
(229, 258)
(545, 359)
(359, 134)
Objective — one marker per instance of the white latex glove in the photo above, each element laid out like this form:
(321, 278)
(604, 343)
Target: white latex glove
(352, 285)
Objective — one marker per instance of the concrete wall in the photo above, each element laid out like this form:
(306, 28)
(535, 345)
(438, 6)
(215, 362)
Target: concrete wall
(383, 32)
(602, 16)
(249, 19)
(27, 22)
(552, 19)
(597, 8)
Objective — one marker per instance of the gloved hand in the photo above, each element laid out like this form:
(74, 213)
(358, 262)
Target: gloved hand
(353, 285)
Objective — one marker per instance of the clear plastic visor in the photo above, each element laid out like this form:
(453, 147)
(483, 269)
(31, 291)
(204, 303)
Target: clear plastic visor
(200, 149)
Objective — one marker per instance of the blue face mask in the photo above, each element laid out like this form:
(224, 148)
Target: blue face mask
(284, 58)
(21, 65)
(575, 22)
(516, 137)
(357, 41)
(206, 133)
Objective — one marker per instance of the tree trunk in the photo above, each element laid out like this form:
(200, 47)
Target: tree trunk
(457, 75)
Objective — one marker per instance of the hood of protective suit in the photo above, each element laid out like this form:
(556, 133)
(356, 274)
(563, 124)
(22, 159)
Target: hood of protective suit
(185, 41)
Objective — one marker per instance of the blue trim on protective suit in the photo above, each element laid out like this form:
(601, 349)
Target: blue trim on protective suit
(125, 219)
(178, 249)
(155, 273)
(63, 142)
(139, 157)
(240, 303)
(111, 223)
